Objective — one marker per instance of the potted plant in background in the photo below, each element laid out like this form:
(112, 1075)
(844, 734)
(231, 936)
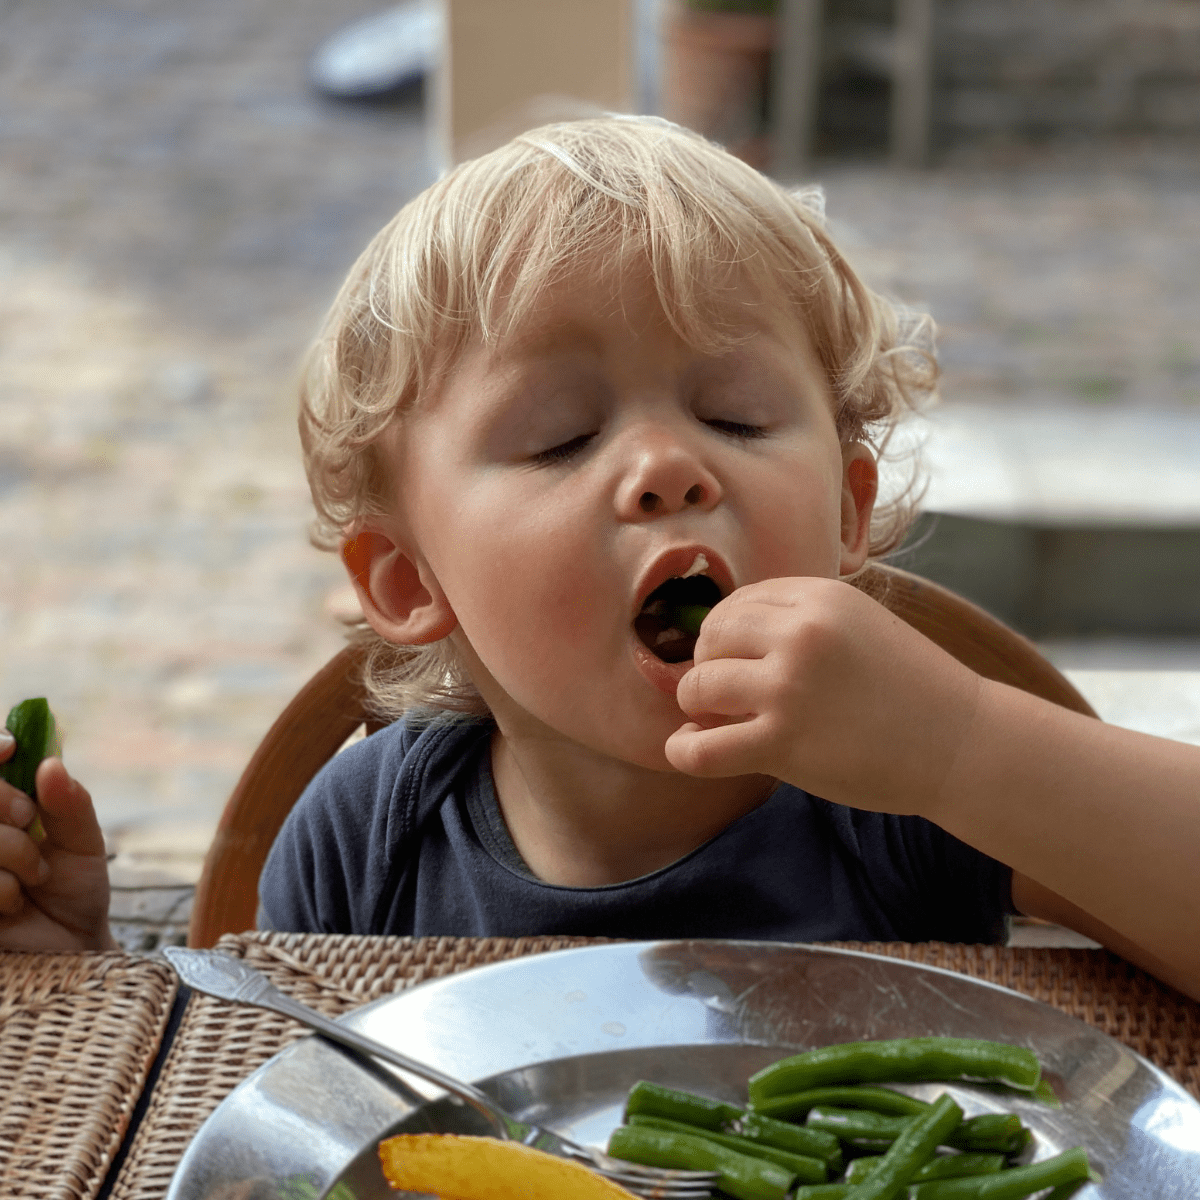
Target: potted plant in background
(716, 70)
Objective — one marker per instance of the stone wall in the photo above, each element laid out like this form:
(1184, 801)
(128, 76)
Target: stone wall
(1052, 68)
(1017, 70)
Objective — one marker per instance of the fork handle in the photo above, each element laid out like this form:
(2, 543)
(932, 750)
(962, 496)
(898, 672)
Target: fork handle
(271, 997)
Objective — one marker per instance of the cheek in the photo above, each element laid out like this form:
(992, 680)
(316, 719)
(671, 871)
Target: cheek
(524, 590)
(798, 530)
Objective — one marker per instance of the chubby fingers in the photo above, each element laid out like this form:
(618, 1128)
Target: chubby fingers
(736, 708)
(758, 663)
(720, 689)
(754, 620)
(738, 664)
(718, 751)
(16, 808)
(66, 811)
(20, 862)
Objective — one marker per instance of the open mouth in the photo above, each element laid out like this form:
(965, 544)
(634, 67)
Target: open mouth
(670, 619)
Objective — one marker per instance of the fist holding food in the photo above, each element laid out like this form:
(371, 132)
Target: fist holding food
(53, 871)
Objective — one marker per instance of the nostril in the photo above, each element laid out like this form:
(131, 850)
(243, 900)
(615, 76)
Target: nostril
(648, 502)
(694, 494)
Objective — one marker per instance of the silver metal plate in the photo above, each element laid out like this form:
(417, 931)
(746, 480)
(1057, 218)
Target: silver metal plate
(559, 1039)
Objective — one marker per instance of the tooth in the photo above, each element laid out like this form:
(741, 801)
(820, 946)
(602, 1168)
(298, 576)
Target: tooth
(668, 635)
(698, 567)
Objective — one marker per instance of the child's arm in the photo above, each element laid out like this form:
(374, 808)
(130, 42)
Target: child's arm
(53, 895)
(812, 682)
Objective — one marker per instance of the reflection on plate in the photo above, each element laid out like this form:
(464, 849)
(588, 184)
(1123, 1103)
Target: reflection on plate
(560, 1038)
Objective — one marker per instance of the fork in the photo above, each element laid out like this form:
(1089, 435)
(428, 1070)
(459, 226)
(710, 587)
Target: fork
(229, 978)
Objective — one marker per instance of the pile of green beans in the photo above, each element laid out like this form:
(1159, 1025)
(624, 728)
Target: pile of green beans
(812, 1114)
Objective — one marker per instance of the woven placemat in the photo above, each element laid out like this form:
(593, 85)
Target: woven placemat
(1096, 986)
(217, 1045)
(78, 1035)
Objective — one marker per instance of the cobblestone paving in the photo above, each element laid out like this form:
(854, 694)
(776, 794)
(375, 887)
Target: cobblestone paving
(1057, 275)
(176, 209)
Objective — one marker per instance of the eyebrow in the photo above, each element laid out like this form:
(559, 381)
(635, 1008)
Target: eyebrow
(544, 340)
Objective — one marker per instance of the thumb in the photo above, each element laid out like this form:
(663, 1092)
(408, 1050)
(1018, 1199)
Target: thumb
(716, 751)
(67, 812)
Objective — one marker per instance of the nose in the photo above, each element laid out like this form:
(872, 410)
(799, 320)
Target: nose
(664, 475)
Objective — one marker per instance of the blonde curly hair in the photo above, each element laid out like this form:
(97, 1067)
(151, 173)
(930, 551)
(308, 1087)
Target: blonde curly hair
(472, 255)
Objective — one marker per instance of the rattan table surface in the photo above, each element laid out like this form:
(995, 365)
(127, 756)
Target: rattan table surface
(78, 1034)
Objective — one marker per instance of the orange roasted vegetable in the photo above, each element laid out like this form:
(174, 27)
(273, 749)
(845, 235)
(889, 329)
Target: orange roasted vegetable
(480, 1168)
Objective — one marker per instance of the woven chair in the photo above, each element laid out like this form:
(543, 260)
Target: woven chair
(332, 705)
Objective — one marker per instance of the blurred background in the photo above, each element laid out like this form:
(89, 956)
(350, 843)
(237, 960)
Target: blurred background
(183, 186)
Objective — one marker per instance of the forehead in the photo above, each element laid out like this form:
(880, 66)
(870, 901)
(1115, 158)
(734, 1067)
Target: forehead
(601, 302)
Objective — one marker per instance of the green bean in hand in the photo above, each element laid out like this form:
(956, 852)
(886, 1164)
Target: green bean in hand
(32, 725)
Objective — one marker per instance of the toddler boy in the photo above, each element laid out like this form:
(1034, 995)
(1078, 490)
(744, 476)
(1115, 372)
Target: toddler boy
(599, 377)
(594, 424)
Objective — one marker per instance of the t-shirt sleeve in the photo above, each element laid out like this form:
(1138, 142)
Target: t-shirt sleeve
(330, 860)
(933, 886)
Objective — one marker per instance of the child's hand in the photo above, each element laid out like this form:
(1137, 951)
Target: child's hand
(814, 683)
(53, 895)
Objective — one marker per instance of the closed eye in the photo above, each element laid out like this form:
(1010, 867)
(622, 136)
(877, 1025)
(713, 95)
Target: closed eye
(562, 452)
(736, 429)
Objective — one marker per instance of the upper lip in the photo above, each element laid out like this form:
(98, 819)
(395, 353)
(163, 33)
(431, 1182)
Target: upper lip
(676, 563)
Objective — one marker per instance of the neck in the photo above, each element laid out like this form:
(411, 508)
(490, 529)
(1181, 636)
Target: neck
(582, 819)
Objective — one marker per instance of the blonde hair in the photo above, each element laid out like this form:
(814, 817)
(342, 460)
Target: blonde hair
(472, 255)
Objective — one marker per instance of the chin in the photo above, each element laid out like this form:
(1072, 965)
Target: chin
(648, 731)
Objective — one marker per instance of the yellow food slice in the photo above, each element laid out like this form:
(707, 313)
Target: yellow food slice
(479, 1168)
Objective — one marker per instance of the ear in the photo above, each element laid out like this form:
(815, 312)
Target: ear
(860, 483)
(400, 599)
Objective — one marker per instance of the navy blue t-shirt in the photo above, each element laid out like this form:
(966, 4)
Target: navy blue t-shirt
(402, 834)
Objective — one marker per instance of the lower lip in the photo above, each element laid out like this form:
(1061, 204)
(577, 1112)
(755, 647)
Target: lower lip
(663, 675)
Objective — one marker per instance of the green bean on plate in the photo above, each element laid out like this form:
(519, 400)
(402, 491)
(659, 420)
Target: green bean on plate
(811, 1114)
